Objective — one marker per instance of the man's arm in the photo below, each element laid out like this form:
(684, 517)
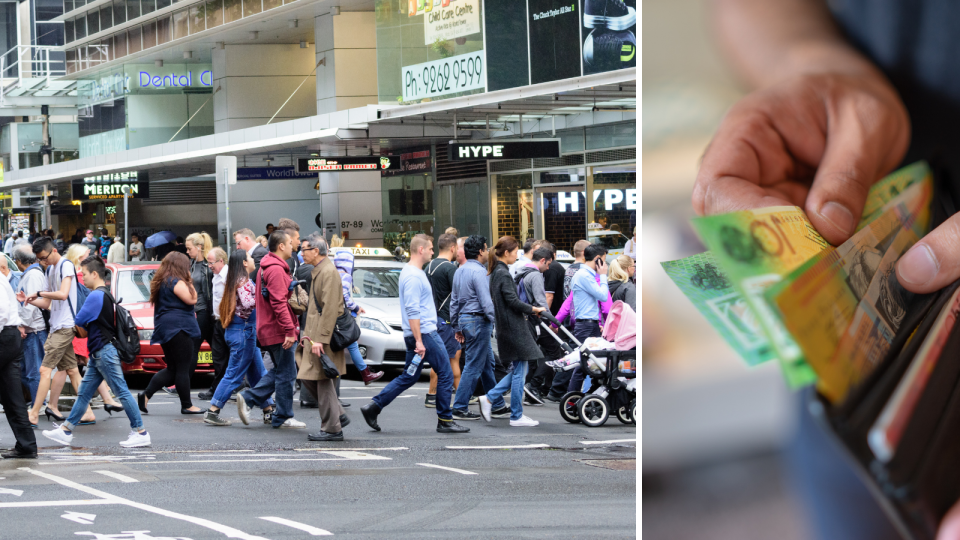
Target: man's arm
(415, 329)
(481, 284)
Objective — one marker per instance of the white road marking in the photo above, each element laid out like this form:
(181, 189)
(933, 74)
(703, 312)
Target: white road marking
(461, 471)
(81, 459)
(305, 528)
(212, 525)
(14, 492)
(365, 397)
(351, 455)
(608, 442)
(263, 460)
(508, 447)
(117, 476)
(352, 449)
(83, 519)
(78, 502)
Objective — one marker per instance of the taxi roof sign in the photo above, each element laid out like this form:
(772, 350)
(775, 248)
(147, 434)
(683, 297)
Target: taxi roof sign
(366, 251)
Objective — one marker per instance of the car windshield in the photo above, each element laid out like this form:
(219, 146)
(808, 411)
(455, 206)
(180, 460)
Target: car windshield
(376, 283)
(134, 285)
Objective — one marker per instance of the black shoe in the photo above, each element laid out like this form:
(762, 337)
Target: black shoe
(532, 394)
(17, 454)
(142, 403)
(465, 415)
(305, 405)
(344, 421)
(431, 401)
(112, 409)
(449, 426)
(188, 411)
(553, 398)
(342, 404)
(502, 412)
(49, 413)
(323, 436)
(205, 396)
(370, 412)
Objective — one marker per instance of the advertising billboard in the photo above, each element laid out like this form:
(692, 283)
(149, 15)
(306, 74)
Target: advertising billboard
(609, 35)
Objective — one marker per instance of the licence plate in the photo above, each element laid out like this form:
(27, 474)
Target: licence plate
(205, 357)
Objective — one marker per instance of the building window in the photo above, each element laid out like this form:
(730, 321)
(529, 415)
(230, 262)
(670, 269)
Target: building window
(612, 135)
(214, 10)
(164, 4)
(164, 32)
(180, 24)
(270, 4)
(68, 31)
(80, 28)
(106, 45)
(133, 9)
(106, 17)
(149, 34)
(252, 7)
(134, 40)
(148, 6)
(119, 11)
(197, 18)
(120, 45)
(67, 6)
(93, 22)
(71, 57)
(232, 10)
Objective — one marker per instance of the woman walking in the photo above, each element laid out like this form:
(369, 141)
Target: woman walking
(515, 341)
(173, 296)
(621, 288)
(239, 318)
(198, 245)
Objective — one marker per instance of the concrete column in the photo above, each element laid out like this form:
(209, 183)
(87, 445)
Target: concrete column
(348, 44)
(255, 80)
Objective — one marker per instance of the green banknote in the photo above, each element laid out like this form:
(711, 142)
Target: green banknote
(714, 296)
(890, 187)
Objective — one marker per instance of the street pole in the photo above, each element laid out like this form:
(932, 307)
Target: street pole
(45, 151)
(126, 224)
(226, 206)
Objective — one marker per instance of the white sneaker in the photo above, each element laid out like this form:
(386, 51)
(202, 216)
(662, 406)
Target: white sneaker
(524, 421)
(58, 435)
(485, 408)
(243, 410)
(293, 423)
(136, 439)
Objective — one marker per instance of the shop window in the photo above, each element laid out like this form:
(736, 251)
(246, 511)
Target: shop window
(133, 9)
(612, 136)
(148, 6)
(270, 4)
(80, 28)
(93, 22)
(120, 45)
(134, 40)
(232, 10)
(559, 177)
(164, 31)
(119, 11)
(515, 205)
(180, 24)
(106, 17)
(197, 18)
(68, 31)
(149, 34)
(252, 7)
(214, 10)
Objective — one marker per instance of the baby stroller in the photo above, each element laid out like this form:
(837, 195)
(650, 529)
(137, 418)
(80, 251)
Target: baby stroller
(612, 388)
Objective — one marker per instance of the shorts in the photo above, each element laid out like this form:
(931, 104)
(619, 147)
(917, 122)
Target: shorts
(58, 350)
(449, 338)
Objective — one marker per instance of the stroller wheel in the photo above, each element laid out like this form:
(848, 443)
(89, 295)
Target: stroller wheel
(633, 411)
(568, 407)
(624, 415)
(594, 410)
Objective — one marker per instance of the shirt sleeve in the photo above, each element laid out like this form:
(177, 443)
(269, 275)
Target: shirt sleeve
(597, 291)
(411, 294)
(91, 309)
(66, 271)
(455, 300)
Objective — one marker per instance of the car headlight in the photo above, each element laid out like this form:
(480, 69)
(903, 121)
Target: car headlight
(373, 324)
(145, 335)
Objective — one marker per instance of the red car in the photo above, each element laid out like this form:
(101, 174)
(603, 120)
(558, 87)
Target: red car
(130, 285)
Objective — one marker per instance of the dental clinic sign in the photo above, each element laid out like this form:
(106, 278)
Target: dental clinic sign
(148, 79)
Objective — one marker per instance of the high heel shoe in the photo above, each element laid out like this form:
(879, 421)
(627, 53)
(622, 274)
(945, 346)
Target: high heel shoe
(112, 409)
(50, 413)
(142, 403)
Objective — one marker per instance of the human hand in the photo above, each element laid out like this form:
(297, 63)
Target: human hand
(289, 341)
(538, 310)
(460, 338)
(817, 141)
(601, 266)
(360, 310)
(23, 332)
(21, 296)
(933, 262)
(317, 349)
(420, 349)
(950, 524)
(33, 296)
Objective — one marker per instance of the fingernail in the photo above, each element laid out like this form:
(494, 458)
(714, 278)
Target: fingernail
(838, 216)
(919, 265)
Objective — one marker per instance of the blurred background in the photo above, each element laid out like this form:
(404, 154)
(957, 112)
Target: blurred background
(714, 430)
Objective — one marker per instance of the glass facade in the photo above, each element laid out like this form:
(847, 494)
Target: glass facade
(407, 208)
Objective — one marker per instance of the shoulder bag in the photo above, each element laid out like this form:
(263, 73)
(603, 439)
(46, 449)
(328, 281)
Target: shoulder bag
(346, 330)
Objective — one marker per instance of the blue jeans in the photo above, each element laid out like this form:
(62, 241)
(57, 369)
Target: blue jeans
(245, 360)
(514, 381)
(32, 358)
(479, 361)
(437, 356)
(354, 351)
(279, 381)
(104, 365)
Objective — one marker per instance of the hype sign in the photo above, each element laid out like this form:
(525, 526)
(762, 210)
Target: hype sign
(147, 80)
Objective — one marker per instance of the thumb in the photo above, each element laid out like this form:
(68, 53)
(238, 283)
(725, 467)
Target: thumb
(950, 525)
(934, 261)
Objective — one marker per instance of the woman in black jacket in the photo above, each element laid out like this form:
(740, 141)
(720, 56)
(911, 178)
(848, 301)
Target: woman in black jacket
(621, 287)
(514, 339)
(198, 244)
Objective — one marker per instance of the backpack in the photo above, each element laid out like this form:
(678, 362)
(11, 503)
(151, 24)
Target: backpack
(127, 341)
(521, 288)
(82, 291)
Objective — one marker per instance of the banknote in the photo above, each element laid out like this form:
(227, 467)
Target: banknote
(712, 293)
(890, 186)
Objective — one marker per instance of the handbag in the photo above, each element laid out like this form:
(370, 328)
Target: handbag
(329, 369)
(299, 300)
(345, 332)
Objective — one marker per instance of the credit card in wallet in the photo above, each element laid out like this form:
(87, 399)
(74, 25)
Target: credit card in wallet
(887, 431)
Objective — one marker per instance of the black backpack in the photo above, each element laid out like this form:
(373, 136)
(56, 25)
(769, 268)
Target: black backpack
(128, 336)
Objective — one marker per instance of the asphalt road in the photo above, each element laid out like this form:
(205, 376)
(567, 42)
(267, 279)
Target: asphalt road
(556, 480)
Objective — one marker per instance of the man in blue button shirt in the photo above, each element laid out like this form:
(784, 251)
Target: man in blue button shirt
(589, 288)
(471, 312)
(421, 338)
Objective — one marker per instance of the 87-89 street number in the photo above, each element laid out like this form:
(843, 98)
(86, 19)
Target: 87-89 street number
(446, 76)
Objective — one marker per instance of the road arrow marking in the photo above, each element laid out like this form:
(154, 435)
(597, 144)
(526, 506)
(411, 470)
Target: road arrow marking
(14, 492)
(83, 519)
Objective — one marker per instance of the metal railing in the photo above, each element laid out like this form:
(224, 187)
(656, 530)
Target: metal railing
(31, 62)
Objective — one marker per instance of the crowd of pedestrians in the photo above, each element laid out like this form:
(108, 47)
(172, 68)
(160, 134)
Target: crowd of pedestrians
(291, 301)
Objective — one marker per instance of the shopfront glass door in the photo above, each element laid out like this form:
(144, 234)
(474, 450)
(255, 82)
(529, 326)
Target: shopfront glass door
(464, 205)
(560, 214)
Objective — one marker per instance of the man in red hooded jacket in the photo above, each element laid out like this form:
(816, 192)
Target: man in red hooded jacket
(277, 332)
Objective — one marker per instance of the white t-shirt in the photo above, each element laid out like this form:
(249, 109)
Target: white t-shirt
(139, 247)
(60, 314)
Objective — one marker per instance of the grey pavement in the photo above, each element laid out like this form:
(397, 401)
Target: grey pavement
(407, 481)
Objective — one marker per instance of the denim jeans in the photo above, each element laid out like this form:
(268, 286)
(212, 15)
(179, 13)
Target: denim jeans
(104, 365)
(245, 360)
(437, 356)
(479, 361)
(278, 381)
(354, 351)
(514, 382)
(582, 331)
(32, 358)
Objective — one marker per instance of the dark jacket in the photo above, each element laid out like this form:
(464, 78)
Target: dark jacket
(513, 340)
(625, 291)
(275, 318)
(202, 278)
(258, 253)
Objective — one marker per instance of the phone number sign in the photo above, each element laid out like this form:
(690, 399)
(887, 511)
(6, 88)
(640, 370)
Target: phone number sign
(460, 73)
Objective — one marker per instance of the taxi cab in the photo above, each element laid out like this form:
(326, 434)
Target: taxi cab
(130, 285)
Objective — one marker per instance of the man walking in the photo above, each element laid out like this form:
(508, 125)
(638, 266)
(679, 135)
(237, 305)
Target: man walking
(530, 280)
(290, 227)
(423, 343)
(589, 288)
(34, 324)
(440, 274)
(472, 315)
(277, 331)
(524, 259)
(219, 351)
(325, 305)
(246, 241)
(11, 395)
